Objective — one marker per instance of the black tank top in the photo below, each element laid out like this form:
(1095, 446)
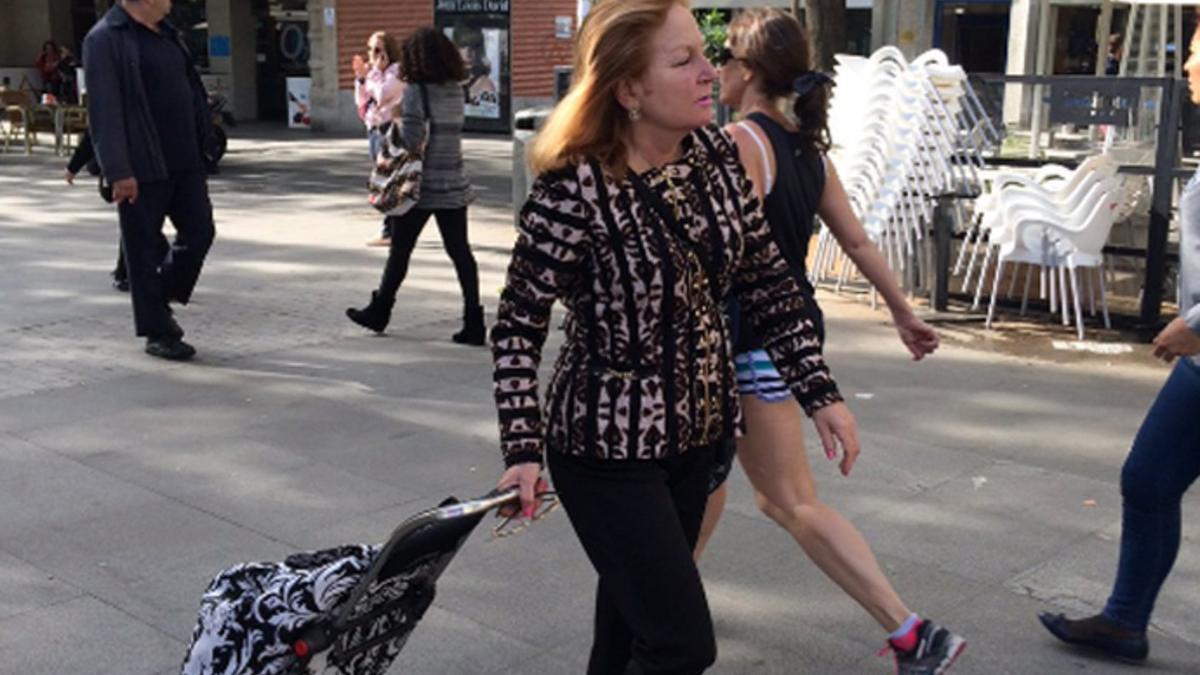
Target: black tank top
(791, 210)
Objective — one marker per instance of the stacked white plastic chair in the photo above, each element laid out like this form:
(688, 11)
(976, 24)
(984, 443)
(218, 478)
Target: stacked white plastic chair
(903, 134)
(1057, 221)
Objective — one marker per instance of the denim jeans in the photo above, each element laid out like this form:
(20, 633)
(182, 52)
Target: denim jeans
(1164, 462)
(374, 147)
(374, 142)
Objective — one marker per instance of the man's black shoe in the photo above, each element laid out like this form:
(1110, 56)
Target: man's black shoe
(174, 330)
(121, 284)
(1099, 633)
(169, 348)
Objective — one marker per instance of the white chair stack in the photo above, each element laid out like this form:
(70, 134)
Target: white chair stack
(903, 134)
(1056, 220)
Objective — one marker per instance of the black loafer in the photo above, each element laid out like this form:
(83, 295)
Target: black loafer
(1099, 633)
(169, 348)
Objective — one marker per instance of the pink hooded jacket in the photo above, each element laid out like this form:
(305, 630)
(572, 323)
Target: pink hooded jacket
(378, 96)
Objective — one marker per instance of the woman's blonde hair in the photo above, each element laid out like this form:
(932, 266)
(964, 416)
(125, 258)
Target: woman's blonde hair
(613, 46)
(390, 46)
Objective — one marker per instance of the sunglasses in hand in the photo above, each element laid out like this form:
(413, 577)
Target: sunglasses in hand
(514, 524)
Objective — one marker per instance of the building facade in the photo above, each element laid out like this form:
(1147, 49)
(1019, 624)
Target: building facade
(289, 60)
(513, 49)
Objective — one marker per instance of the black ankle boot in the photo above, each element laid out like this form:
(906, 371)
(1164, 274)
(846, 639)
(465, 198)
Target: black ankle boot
(474, 332)
(375, 315)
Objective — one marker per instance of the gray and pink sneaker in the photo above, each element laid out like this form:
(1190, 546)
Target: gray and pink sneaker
(935, 652)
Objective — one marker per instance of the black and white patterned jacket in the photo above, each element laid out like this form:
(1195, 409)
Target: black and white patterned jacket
(634, 378)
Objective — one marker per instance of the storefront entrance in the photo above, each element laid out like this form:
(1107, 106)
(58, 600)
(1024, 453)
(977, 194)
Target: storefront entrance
(281, 52)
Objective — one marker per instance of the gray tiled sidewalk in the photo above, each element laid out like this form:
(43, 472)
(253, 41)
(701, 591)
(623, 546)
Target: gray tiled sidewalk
(125, 483)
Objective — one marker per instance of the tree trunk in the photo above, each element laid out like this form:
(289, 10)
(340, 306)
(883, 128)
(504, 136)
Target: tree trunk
(826, 24)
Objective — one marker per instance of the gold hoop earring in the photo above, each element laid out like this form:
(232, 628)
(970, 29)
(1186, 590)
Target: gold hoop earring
(635, 114)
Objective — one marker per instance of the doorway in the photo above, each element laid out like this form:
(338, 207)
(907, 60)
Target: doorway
(281, 50)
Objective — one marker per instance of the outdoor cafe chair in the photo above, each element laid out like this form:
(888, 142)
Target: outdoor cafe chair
(1049, 184)
(903, 135)
(1058, 242)
(16, 117)
(73, 123)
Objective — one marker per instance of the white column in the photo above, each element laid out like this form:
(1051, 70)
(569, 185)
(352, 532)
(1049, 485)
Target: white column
(1103, 30)
(232, 55)
(1045, 47)
(907, 24)
(244, 31)
(1022, 50)
(219, 78)
(883, 23)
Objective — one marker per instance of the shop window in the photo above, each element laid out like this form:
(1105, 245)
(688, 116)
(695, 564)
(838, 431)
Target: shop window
(282, 51)
(973, 33)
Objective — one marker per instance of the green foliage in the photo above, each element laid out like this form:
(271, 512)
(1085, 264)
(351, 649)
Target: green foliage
(714, 26)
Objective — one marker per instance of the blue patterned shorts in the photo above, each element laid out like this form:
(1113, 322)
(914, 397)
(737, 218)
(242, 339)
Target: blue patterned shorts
(756, 375)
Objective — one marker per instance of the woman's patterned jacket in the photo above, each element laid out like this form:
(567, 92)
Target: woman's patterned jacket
(646, 370)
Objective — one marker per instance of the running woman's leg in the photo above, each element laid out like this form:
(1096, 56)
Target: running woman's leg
(773, 456)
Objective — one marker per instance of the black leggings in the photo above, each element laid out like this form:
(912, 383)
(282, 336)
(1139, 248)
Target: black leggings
(406, 229)
(638, 521)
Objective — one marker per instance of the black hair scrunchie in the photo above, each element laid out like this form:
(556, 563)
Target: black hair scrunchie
(806, 82)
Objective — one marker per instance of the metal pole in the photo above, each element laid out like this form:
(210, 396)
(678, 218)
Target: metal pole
(1103, 30)
(943, 225)
(1162, 41)
(1166, 156)
(1144, 41)
(1180, 53)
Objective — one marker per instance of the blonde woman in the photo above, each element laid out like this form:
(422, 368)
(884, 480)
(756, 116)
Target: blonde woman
(378, 90)
(766, 75)
(641, 222)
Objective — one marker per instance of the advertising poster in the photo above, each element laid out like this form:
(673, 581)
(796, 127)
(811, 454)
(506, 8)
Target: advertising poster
(481, 50)
(299, 104)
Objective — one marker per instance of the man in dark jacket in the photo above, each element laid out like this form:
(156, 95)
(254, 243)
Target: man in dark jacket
(148, 118)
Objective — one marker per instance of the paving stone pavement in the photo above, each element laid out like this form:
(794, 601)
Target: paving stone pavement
(988, 486)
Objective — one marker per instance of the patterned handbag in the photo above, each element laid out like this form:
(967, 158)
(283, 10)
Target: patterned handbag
(394, 187)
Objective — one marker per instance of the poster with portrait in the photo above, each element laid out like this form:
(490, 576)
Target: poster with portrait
(299, 92)
(482, 49)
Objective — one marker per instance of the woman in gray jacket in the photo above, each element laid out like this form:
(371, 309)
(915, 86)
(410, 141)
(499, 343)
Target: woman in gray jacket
(431, 115)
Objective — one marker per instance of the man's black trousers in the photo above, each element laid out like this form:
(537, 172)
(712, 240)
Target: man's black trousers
(155, 279)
